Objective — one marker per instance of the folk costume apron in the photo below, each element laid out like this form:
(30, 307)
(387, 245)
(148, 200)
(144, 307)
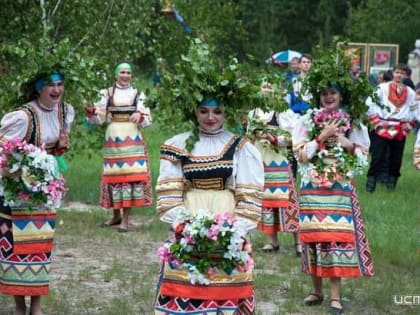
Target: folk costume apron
(126, 180)
(205, 177)
(26, 236)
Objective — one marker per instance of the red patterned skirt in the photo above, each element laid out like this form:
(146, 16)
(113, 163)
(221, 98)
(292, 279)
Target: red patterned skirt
(20, 274)
(341, 259)
(126, 180)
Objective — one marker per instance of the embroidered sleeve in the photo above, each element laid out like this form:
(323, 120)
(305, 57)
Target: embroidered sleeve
(170, 153)
(169, 198)
(170, 190)
(249, 178)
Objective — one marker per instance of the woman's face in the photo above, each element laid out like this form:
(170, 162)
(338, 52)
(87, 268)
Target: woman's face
(51, 94)
(124, 77)
(330, 99)
(210, 118)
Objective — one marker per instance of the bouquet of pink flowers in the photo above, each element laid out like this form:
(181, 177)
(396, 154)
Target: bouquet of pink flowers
(204, 244)
(332, 162)
(29, 176)
(322, 117)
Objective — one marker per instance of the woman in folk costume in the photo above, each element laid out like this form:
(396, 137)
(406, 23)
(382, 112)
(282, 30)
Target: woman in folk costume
(330, 150)
(215, 175)
(280, 206)
(45, 120)
(126, 178)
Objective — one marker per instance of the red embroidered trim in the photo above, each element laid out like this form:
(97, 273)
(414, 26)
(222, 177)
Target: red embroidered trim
(398, 99)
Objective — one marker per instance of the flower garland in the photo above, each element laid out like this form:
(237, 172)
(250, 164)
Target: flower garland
(29, 176)
(204, 244)
(332, 162)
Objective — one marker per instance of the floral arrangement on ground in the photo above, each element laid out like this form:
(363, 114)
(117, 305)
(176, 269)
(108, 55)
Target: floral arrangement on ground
(204, 244)
(29, 176)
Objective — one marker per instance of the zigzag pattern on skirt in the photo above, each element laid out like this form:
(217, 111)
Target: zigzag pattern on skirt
(362, 243)
(341, 259)
(21, 274)
(176, 305)
(283, 219)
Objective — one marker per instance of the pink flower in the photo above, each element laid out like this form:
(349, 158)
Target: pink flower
(189, 239)
(24, 196)
(213, 232)
(211, 272)
(175, 263)
(250, 263)
(164, 253)
(248, 247)
(224, 218)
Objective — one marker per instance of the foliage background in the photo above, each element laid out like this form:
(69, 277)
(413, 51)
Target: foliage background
(88, 38)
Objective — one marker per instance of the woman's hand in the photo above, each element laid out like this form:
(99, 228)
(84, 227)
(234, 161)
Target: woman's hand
(90, 110)
(136, 117)
(329, 130)
(345, 142)
(266, 136)
(63, 140)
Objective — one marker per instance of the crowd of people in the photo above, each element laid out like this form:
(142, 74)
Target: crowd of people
(254, 180)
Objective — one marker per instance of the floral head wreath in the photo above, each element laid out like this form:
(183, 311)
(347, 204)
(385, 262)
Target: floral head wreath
(200, 75)
(332, 68)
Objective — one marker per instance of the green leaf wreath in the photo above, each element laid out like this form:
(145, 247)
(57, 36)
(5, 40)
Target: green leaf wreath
(332, 67)
(200, 74)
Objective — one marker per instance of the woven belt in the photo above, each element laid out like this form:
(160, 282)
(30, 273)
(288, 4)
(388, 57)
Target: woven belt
(120, 117)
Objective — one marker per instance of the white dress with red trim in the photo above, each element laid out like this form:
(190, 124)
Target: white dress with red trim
(280, 206)
(393, 118)
(331, 227)
(222, 172)
(126, 180)
(26, 271)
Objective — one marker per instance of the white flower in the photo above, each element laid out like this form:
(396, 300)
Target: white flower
(195, 276)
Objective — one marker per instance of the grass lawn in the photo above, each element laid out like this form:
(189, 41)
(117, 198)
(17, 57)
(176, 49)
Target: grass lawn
(99, 271)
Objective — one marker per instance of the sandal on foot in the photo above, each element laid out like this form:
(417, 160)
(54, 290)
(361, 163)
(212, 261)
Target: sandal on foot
(298, 249)
(270, 248)
(313, 299)
(122, 230)
(336, 308)
(110, 223)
